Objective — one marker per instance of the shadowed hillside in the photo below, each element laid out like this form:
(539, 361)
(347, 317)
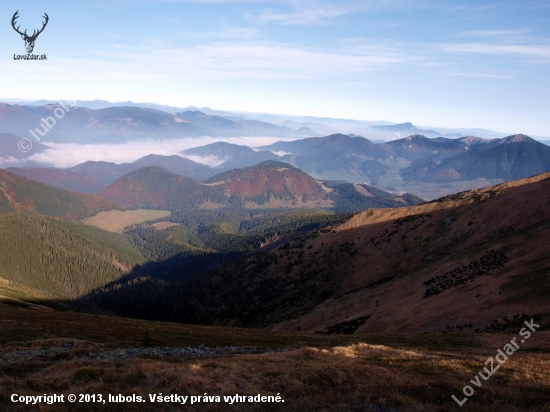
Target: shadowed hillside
(474, 261)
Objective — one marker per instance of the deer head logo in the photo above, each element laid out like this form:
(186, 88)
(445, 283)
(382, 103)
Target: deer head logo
(29, 40)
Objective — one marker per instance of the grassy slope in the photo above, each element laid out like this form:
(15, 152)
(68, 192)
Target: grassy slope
(332, 373)
(476, 244)
(63, 179)
(19, 194)
(116, 220)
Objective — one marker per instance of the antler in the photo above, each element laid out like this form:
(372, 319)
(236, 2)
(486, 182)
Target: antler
(13, 21)
(43, 25)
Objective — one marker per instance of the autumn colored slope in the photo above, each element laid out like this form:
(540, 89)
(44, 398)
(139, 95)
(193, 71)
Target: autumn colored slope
(267, 185)
(20, 194)
(62, 179)
(270, 181)
(473, 261)
(50, 351)
(157, 188)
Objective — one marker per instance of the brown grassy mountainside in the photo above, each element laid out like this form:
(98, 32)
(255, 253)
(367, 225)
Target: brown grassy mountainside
(476, 260)
(266, 185)
(63, 179)
(20, 194)
(50, 351)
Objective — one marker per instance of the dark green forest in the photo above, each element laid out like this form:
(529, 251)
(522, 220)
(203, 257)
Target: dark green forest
(67, 260)
(59, 258)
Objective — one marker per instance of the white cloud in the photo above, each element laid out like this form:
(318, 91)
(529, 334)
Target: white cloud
(246, 60)
(525, 50)
(495, 33)
(309, 11)
(233, 33)
(65, 155)
(485, 75)
(212, 160)
(281, 153)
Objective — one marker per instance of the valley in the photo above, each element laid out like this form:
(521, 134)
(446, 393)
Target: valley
(275, 206)
(330, 270)
(382, 266)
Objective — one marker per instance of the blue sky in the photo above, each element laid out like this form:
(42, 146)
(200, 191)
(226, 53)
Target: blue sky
(439, 63)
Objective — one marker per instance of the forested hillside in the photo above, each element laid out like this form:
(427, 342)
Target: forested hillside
(347, 196)
(61, 259)
(202, 240)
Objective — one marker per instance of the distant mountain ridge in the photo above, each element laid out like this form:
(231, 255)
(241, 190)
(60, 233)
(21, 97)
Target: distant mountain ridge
(430, 167)
(10, 147)
(107, 172)
(230, 155)
(321, 125)
(416, 160)
(407, 128)
(127, 123)
(268, 185)
(63, 179)
(513, 157)
(19, 194)
(235, 126)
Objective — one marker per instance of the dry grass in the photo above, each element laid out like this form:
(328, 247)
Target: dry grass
(321, 373)
(116, 220)
(356, 377)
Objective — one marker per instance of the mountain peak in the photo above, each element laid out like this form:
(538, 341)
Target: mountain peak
(416, 138)
(516, 138)
(273, 164)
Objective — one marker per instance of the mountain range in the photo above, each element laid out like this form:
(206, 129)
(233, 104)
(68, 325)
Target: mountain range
(267, 185)
(409, 129)
(475, 261)
(229, 155)
(471, 261)
(324, 264)
(320, 125)
(107, 172)
(127, 123)
(92, 176)
(429, 167)
(510, 158)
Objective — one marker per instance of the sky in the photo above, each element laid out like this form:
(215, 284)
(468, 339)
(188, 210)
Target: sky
(438, 63)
